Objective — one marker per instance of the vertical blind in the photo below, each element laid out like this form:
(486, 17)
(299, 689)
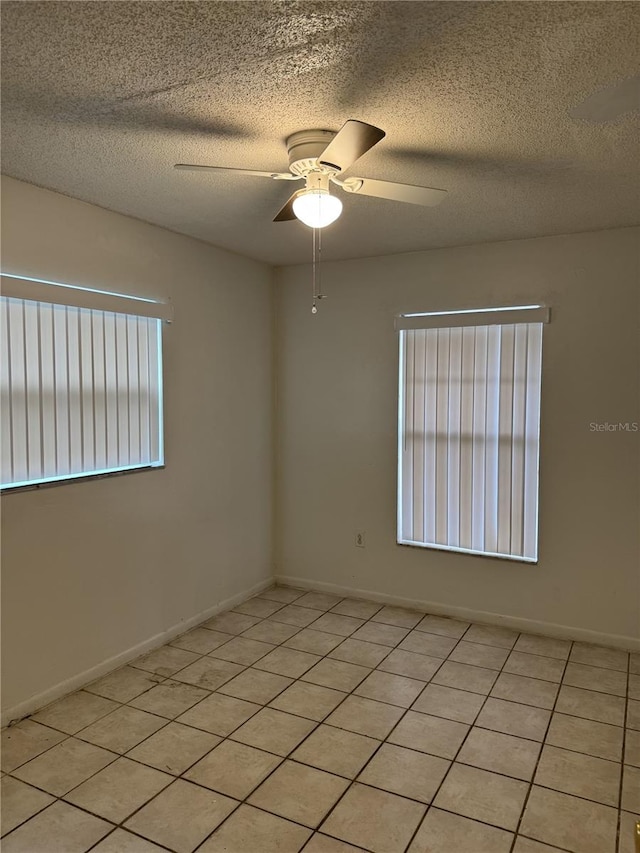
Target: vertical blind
(469, 437)
(81, 391)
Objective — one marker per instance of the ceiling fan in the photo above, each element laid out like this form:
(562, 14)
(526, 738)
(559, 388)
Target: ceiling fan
(319, 157)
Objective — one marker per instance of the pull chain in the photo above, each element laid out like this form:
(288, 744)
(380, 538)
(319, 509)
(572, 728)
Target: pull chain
(316, 286)
(314, 307)
(319, 283)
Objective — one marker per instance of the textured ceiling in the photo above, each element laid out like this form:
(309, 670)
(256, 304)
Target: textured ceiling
(507, 105)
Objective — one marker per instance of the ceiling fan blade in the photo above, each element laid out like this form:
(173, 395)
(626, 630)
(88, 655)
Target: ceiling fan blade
(276, 176)
(426, 196)
(286, 214)
(353, 140)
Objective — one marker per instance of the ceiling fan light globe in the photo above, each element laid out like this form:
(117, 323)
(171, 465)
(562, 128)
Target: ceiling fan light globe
(317, 208)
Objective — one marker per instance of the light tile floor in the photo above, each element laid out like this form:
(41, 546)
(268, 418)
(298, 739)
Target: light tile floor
(302, 721)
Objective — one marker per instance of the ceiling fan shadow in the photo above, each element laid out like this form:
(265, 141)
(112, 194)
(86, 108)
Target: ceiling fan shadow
(393, 40)
(123, 115)
(612, 102)
(507, 166)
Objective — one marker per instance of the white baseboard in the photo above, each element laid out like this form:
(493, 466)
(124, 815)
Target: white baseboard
(530, 626)
(39, 700)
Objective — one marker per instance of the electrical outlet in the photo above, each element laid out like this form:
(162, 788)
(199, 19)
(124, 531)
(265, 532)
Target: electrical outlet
(359, 540)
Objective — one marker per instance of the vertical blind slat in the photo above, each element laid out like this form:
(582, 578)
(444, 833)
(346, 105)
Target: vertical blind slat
(419, 379)
(505, 437)
(80, 391)
(154, 389)
(431, 355)
(492, 427)
(133, 390)
(32, 374)
(6, 459)
(40, 400)
(517, 448)
(466, 437)
(111, 389)
(61, 401)
(442, 422)
(99, 403)
(408, 419)
(74, 365)
(479, 439)
(453, 431)
(122, 389)
(470, 437)
(532, 442)
(145, 412)
(18, 390)
(87, 390)
(47, 391)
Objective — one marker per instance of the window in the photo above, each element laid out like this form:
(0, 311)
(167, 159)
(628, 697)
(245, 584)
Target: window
(80, 382)
(469, 424)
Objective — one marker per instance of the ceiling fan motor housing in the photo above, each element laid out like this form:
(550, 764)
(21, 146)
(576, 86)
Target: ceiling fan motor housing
(305, 147)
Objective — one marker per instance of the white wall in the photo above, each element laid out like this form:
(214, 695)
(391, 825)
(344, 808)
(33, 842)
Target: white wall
(337, 399)
(92, 569)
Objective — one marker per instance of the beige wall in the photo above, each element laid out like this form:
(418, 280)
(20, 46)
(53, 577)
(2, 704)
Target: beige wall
(337, 399)
(92, 569)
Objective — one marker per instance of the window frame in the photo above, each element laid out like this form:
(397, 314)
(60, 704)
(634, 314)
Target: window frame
(77, 297)
(456, 319)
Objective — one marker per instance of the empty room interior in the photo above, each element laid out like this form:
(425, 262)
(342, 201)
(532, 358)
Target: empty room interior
(320, 427)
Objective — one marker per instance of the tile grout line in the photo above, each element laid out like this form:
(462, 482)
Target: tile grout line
(487, 696)
(283, 758)
(315, 728)
(464, 740)
(228, 737)
(261, 783)
(116, 755)
(542, 745)
(385, 740)
(393, 728)
(322, 722)
(622, 757)
(173, 720)
(318, 723)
